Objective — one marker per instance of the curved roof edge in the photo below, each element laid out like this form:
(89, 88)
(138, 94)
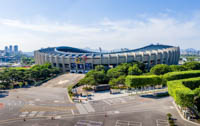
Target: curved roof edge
(67, 49)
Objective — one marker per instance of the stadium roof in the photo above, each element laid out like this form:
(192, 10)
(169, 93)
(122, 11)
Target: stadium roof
(66, 50)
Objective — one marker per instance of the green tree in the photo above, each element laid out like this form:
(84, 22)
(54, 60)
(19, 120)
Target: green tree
(117, 81)
(160, 69)
(134, 70)
(100, 68)
(98, 76)
(177, 68)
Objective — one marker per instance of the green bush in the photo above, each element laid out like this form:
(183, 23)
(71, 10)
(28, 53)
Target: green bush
(160, 69)
(192, 83)
(181, 75)
(141, 81)
(178, 68)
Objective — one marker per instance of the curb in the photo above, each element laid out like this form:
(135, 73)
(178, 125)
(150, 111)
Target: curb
(69, 97)
(182, 115)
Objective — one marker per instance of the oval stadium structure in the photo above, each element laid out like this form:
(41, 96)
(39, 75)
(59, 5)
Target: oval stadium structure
(76, 60)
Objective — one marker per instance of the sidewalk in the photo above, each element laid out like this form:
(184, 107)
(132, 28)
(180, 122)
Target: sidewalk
(106, 94)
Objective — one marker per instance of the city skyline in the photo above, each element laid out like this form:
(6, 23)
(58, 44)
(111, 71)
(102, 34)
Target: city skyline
(33, 25)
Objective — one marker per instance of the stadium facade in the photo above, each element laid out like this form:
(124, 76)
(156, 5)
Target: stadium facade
(76, 60)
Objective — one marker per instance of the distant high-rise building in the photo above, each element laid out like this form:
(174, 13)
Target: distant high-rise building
(16, 48)
(6, 49)
(10, 49)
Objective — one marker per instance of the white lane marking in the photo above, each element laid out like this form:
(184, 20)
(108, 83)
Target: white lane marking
(25, 113)
(161, 122)
(107, 102)
(72, 111)
(88, 123)
(122, 100)
(127, 123)
(32, 114)
(22, 115)
(81, 109)
(37, 99)
(88, 107)
(56, 101)
(58, 117)
(41, 113)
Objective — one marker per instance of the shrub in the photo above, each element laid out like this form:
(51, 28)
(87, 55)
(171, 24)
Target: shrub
(192, 83)
(160, 69)
(178, 68)
(169, 115)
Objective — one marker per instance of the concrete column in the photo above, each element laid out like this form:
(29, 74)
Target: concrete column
(92, 61)
(168, 56)
(171, 57)
(117, 56)
(43, 58)
(134, 56)
(149, 60)
(76, 65)
(156, 57)
(56, 61)
(177, 55)
(126, 55)
(109, 59)
(38, 58)
(46, 58)
(63, 63)
(161, 57)
(51, 60)
(142, 56)
(101, 55)
(69, 59)
(174, 59)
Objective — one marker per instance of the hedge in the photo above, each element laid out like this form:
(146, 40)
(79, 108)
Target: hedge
(140, 81)
(192, 83)
(181, 75)
(182, 95)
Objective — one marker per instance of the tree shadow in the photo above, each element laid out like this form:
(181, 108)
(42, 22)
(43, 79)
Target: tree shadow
(152, 96)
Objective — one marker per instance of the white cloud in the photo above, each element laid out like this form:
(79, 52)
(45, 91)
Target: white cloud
(108, 34)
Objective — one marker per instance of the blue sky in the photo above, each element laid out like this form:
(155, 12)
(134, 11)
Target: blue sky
(110, 24)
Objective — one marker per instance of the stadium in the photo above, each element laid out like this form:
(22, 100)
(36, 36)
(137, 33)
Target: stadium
(76, 60)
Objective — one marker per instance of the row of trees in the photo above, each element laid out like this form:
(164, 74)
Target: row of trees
(10, 77)
(113, 76)
(161, 69)
(116, 76)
